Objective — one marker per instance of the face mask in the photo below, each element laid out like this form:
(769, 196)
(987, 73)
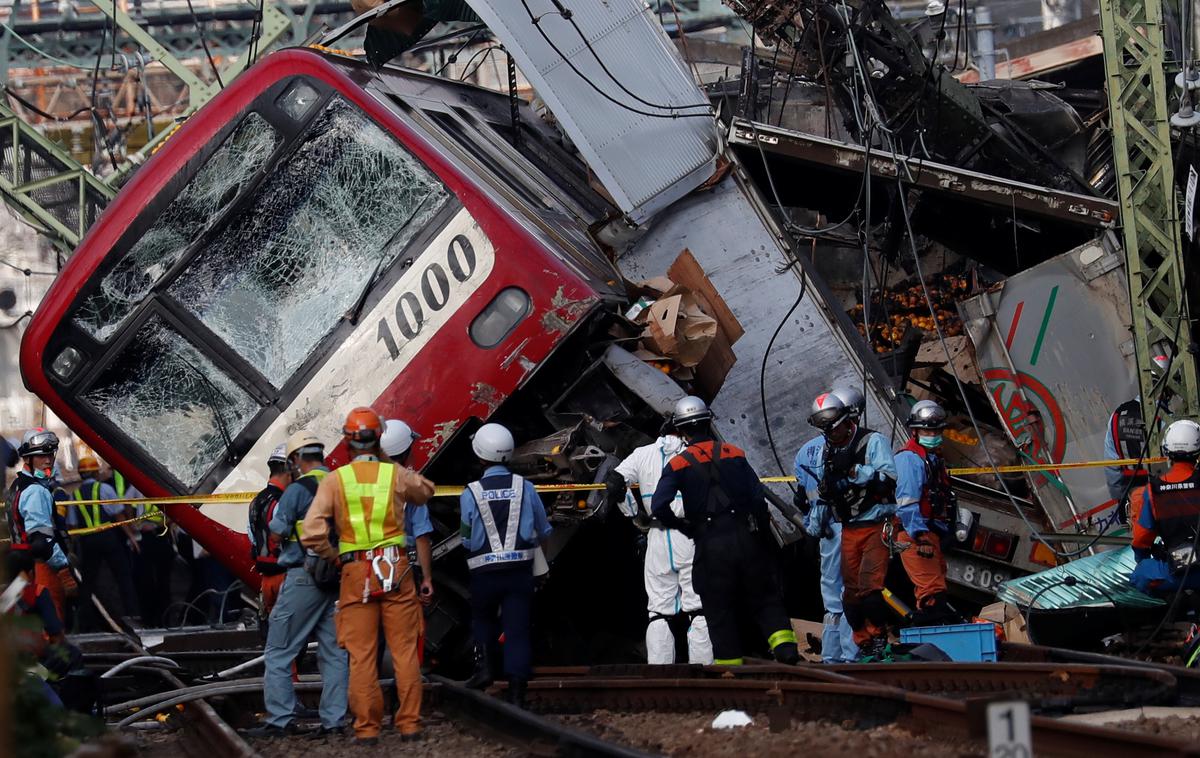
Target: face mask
(43, 473)
(929, 442)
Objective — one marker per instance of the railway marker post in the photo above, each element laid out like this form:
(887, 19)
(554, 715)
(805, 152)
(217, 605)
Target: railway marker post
(1008, 730)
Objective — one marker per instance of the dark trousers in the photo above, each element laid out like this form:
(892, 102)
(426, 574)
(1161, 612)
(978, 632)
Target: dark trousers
(502, 600)
(106, 548)
(154, 566)
(733, 570)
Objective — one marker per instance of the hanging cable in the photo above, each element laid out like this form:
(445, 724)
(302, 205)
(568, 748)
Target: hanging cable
(42, 52)
(204, 43)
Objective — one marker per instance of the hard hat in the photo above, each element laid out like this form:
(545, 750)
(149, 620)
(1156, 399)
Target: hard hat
(303, 441)
(927, 414)
(853, 398)
(363, 428)
(1182, 439)
(493, 443)
(828, 411)
(88, 463)
(278, 455)
(690, 410)
(397, 437)
(38, 441)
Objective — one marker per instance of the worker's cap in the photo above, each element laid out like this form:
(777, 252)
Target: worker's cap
(303, 442)
(397, 438)
(88, 463)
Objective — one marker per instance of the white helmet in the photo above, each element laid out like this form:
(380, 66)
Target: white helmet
(278, 455)
(690, 410)
(397, 437)
(828, 411)
(1182, 439)
(493, 443)
(853, 399)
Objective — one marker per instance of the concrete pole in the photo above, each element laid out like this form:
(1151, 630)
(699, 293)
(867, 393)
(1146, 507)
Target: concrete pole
(985, 48)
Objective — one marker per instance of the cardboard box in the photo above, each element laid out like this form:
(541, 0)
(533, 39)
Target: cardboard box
(677, 328)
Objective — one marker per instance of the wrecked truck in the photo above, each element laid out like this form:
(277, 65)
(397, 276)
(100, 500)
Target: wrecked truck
(323, 235)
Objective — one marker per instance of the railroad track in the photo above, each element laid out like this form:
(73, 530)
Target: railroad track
(864, 705)
(1047, 686)
(1187, 681)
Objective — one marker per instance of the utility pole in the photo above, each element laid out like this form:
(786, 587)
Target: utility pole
(1136, 84)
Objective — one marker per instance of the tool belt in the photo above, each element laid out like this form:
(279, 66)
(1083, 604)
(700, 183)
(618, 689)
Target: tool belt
(391, 552)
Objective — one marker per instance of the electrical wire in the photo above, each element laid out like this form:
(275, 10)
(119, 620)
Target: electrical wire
(26, 271)
(453, 57)
(570, 64)
(42, 52)
(204, 42)
(762, 372)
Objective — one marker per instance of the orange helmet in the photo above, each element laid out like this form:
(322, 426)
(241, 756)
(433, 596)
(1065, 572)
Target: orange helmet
(88, 464)
(363, 428)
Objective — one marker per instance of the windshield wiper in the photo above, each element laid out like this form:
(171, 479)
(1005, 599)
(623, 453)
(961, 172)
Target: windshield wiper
(209, 391)
(353, 314)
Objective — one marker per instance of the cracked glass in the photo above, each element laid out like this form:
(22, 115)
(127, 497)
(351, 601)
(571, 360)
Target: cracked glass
(172, 401)
(213, 187)
(317, 232)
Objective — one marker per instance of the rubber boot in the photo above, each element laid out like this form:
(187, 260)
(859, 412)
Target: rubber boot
(516, 692)
(787, 653)
(481, 678)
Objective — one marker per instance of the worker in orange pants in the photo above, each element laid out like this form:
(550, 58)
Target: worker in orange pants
(364, 502)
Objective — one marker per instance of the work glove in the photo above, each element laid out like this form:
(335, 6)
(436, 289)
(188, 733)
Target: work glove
(539, 581)
(830, 490)
(69, 585)
(923, 546)
(800, 500)
(614, 489)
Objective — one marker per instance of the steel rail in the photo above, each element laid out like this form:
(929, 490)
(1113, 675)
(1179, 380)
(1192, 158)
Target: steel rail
(1187, 681)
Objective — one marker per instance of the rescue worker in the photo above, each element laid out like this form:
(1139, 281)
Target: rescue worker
(925, 510)
(725, 514)
(856, 478)
(155, 558)
(672, 601)
(837, 637)
(44, 640)
(30, 511)
(1125, 437)
(112, 546)
(264, 547)
(503, 521)
(1165, 540)
(362, 502)
(303, 608)
(398, 438)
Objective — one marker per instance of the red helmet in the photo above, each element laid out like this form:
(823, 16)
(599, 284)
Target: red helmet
(363, 428)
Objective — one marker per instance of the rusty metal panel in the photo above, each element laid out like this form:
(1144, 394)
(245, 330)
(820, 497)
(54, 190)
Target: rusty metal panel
(1052, 344)
(620, 91)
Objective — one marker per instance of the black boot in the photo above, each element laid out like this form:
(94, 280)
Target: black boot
(787, 653)
(875, 650)
(481, 678)
(516, 692)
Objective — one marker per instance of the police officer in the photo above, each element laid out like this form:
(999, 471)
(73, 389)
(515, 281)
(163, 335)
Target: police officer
(837, 638)
(503, 522)
(265, 547)
(303, 608)
(857, 478)
(1165, 541)
(925, 510)
(725, 513)
(672, 600)
(112, 547)
(364, 502)
(30, 510)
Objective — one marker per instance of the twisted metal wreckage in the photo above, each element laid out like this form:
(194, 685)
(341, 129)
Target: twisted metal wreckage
(854, 214)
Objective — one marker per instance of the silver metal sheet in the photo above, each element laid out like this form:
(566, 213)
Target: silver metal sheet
(739, 253)
(645, 162)
(1102, 581)
(1063, 324)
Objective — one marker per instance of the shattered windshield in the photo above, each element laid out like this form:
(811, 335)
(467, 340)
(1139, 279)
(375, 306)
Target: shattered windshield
(212, 188)
(172, 401)
(275, 280)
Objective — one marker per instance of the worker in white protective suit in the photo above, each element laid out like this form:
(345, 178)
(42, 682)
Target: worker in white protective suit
(673, 603)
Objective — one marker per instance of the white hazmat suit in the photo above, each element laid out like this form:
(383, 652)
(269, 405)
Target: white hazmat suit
(669, 554)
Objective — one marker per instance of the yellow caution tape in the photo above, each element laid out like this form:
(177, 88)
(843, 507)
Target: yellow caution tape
(101, 528)
(450, 490)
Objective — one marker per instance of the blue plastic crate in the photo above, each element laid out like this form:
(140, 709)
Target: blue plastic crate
(962, 642)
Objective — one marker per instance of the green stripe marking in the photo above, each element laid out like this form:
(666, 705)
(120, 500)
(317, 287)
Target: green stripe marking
(1037, 346)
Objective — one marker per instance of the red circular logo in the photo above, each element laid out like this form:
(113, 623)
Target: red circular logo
(1030, 412)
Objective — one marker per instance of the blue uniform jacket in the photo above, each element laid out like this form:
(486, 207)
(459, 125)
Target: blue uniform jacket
(37, 512)
(292, 507)
(532, 527)
(910, 483)
(809, 470)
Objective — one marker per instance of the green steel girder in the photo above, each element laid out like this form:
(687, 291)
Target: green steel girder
(42, 182)
(1136, 83)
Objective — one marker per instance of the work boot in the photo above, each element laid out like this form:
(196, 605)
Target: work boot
(787, 653)
(272, 732)
(516, 692)
(481, 679)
